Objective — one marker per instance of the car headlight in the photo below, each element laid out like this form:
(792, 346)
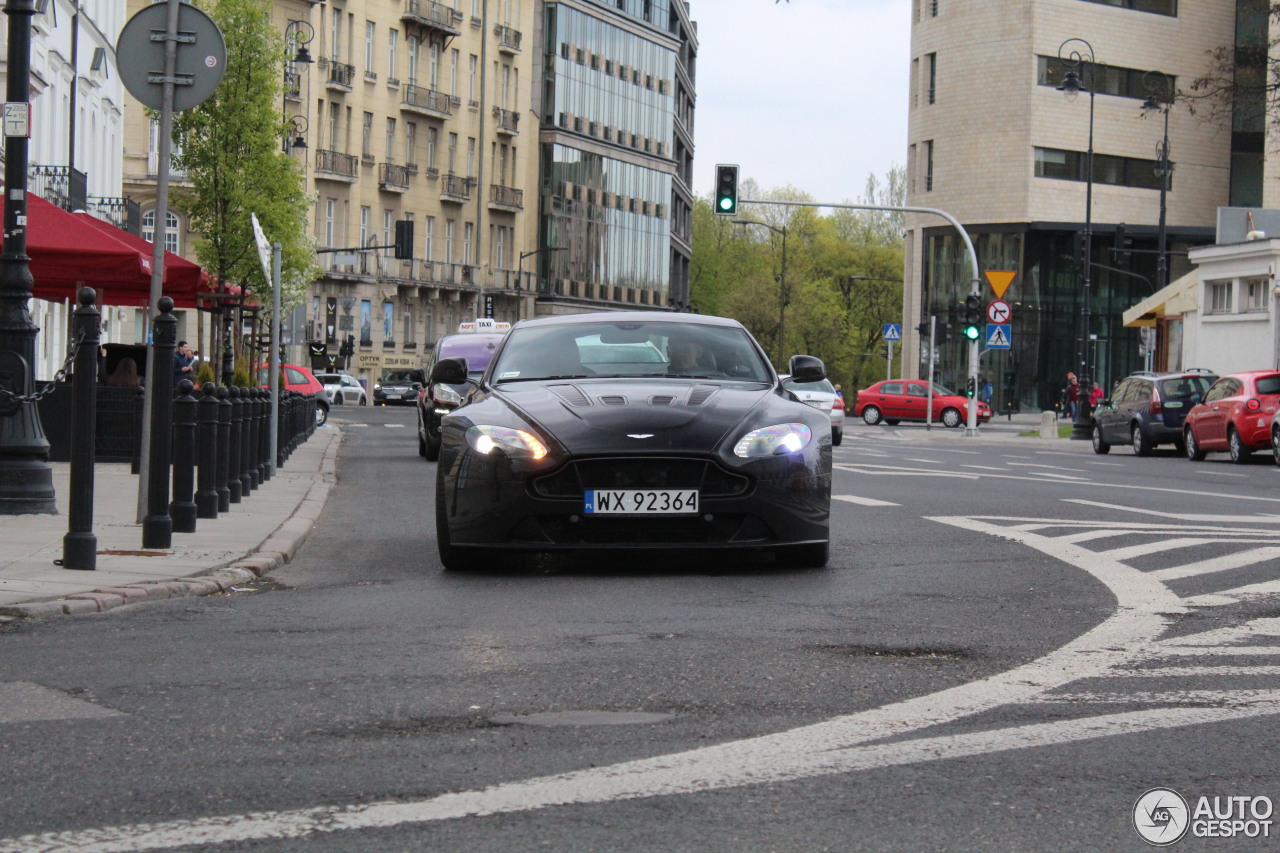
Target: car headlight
(773, 440)
(377, 386)
(485, 439)
(444, 394)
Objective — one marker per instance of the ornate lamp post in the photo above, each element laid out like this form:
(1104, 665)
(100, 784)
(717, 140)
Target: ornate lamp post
(1076, 55)
(1161, 96)
(783, 295)
(26, 479)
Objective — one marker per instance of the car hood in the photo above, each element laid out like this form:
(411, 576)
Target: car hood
(396, 386)
(602, 416)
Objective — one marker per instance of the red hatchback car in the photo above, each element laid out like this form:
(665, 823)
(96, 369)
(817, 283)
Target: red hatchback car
(896, 400)
(1235, 416)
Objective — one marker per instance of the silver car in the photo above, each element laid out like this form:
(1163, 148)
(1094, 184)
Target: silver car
(821, 395)
(343, 389)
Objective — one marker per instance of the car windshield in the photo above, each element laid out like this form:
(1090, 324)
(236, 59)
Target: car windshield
(476, 349)
(630, 348)
(1182, 387)
(329, 378)
(397, 376)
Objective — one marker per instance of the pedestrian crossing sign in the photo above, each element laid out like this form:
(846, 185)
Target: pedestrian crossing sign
(999, 335)
(892, 332)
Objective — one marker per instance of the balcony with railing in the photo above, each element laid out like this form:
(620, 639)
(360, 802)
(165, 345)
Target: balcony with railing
(429, 102)
(293, 85)
(508, 39)
(508, 121)
(433, 16)
(393, 178)
(506, 198)
(65, 186)
(340, 76)
(123, 213)
(455, 188)
(336, 166)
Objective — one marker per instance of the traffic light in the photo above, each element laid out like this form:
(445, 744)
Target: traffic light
(970, 387)
(972, 316)
(943, 332)
(1123, 243)
(923, 329)
(726, 198)
(1078, 251)
(404, 240)
(348, 347)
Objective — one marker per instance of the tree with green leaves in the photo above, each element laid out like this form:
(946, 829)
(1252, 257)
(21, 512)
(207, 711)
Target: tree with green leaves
(231, 149)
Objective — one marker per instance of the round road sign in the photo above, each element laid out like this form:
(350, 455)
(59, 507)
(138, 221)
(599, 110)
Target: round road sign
(998, 311)
(200, 60)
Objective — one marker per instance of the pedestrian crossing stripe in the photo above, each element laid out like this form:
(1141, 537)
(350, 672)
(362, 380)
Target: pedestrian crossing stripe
(998, 335)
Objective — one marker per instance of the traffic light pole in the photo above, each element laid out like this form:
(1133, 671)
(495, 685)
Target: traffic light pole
(971, 428)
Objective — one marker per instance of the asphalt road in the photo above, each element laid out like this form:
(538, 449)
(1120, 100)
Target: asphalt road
(1011, 644)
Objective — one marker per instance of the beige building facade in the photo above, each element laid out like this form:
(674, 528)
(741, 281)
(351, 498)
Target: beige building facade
(995, 142)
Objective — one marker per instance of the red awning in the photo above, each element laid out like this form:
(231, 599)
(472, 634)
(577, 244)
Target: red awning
(182, 278)
(67, 253)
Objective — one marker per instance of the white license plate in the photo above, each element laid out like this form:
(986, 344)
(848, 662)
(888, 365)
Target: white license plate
(393, 396)
(640, 501)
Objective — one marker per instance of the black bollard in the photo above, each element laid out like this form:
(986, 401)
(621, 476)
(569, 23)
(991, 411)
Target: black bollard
(246, 482)
(182, 509)
(223, 465)
(157, 526)
(265, 464)
(80, 545)
(255, 437)
(234, 484)
(207, 451)
(282, 437)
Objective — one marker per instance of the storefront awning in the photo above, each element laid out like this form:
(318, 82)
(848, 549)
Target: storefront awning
(1174, 299)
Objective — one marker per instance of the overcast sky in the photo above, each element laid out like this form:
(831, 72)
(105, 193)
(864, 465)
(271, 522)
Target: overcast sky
(807, 93)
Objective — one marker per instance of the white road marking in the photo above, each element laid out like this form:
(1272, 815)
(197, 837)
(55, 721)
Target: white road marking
(987, 467)
(1059, 476)
(394, 426)
(1041, 465)
(1260, 518)
(633, 780)
(1190, 697)
(1222, 563)
(1183, 671)
(1145, 548)
(26, 702)
(854, 499)
(1222, 650)
(1213, 473)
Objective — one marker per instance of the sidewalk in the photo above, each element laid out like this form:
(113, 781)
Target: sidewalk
(259, 534)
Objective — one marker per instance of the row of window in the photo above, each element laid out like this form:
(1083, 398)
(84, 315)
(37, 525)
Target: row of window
(1250, 293)
(1102, 79)
(1157, 7)
(1063, 165)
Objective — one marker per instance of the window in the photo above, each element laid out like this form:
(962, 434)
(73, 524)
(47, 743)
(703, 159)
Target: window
(1107, 79)
(366, 137)
(387, 228)
(410, 144)
(453, 152)
(329, 205)
(928, 168)
(453, 73)
(1107, 169)
(408, 337)
(369, 30)
(1217, 297)
(366, 323)
(468, 229)
(391, 140)
(429, 237)
(388, 323)
(1156, 7)
(433, 136)
(170, 230)
(471, 78)
(1253, 293)
(364, 226)
(392, 43)
(471, 156)
(448, 240)
(931, 63)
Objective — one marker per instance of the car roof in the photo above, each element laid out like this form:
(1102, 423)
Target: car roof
(630, 317)
(1190, 371)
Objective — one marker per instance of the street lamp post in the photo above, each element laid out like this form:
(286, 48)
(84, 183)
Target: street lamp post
(520, 274)
(1161, 96)
(1076, 56)
(783, 295)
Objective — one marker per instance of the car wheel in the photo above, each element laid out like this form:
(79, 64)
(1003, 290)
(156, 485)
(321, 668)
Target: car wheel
(951, 418)
(812, 556)
(1235, 445)
(1193, 451)
(454, 559)
(871, 415)
(1100, 445)
(322, 414)
(337, 399)
(422, 441)
(433, 445)
(1275, 444)
(837, 436)
(1141, 444)
(364, 401)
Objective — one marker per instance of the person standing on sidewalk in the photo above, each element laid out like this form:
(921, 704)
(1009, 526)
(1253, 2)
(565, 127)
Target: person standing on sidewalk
(183, 364)
(1070, 396)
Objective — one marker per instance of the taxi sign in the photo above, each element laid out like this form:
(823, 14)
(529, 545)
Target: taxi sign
(484, 324)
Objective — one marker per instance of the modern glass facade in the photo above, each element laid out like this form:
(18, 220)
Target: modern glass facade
(606, 174)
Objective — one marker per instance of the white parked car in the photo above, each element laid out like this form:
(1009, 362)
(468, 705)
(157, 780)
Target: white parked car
(821, 395)
(343, 389)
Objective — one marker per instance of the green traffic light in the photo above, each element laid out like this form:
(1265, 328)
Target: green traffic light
(726, 203)
(971, 332)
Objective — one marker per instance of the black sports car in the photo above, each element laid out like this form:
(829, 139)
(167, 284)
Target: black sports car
(633, 430)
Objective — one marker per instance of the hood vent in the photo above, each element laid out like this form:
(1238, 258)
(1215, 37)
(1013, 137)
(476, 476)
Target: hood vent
(661, 400)
(613, 400)
(571, 394)
(701, 394)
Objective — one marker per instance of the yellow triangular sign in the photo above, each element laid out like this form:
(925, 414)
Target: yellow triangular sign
(999, 281)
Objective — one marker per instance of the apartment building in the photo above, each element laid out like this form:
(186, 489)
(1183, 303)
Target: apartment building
(996, 143)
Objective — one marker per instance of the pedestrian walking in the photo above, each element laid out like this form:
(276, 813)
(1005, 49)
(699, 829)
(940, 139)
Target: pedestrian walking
(1070, 396)
(183, 364)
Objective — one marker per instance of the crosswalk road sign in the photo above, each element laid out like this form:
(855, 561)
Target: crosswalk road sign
(999, 335)
(892, 332)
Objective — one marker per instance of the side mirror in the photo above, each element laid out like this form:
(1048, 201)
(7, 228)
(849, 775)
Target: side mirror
(806, 368)
(450, 371)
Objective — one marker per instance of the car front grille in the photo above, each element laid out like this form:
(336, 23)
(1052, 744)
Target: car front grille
(711, 480)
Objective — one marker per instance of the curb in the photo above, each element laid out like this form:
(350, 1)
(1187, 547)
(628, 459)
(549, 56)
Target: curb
(277, 550)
